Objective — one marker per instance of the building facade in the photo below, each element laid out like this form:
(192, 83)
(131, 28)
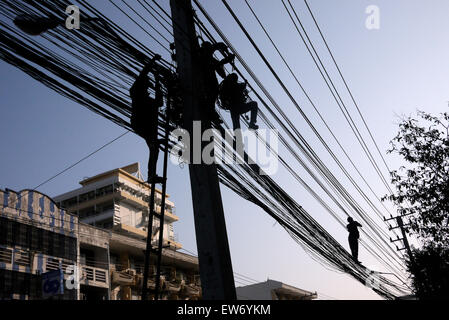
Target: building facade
(118, 200)
(273, 290)
(35, 237)
(95, 234)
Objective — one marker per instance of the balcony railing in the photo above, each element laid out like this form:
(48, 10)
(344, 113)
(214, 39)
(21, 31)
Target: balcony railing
(5, 255)
(94, 276)
(32, 262)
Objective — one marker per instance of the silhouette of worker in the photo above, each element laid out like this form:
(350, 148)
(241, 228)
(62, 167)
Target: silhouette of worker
(354, 237)
(145, 113)
(210, 66)
(234, 97)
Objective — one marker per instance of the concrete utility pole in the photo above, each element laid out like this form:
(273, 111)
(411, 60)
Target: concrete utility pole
(404, 238)
(215, 265)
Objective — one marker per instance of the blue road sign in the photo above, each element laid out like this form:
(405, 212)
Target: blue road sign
(52, 283)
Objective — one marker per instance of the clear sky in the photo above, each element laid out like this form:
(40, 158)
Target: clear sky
(395, 70)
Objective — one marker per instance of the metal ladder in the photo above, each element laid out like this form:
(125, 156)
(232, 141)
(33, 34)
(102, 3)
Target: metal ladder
(152, 214)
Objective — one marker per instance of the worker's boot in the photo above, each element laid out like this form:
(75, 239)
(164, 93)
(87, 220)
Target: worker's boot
(253, 126)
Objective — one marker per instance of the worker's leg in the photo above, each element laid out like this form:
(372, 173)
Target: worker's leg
(356, 250)
(354, 245)
(249, 107)
(153, 146)
(238, 143)
(253, 108)
(211, 112)
(152, 141)
(235, 116)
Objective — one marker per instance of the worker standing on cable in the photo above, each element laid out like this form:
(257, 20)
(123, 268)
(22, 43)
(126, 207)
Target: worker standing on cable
(234, 97)
(354, 238)
(210, 66)
(145, 113)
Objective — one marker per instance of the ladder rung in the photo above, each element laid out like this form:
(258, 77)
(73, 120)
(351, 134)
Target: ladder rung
(156, 249)
(158, 215)
(161, 180)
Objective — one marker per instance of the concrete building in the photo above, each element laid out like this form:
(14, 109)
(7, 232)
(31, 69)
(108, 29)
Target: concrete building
(35, 237)
(99, 230)
(273, 290)
(118, 200)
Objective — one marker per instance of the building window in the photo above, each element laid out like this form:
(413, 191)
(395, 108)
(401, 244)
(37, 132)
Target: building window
(3, 231)
(105, 190)
(69, 203)
(107, 225)
(86, 196)
(40, 239)
(22, 240)
(13, 234)
(106, 206)
(61, 245)
(86, 212)
(50, 242)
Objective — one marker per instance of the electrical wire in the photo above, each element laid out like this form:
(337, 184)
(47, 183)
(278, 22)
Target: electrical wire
(347, 87)
(226, 41)
(245, 179)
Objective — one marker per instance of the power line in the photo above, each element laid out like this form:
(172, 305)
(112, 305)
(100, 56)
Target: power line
(81, 160)
(74, 164)
(245, 180)
(136, 23)
(155, 18)
(372, 205)
(314, 106)
(146, 21)
(241, 276)
(327, 172)
(340, 103)
(346, 85)
(216, 29)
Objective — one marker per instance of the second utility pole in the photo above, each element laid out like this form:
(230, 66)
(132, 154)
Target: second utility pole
(217, 279)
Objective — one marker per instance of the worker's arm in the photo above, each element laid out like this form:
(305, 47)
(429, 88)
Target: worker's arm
(242, 86)
(358, 224)
(219, 46)
(149, 66)
(224, 50)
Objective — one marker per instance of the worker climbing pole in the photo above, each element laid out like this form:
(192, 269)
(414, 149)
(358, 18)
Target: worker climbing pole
(145, 122)
(198, 90)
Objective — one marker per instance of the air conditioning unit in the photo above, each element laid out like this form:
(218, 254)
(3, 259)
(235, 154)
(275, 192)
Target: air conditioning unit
(131, 272)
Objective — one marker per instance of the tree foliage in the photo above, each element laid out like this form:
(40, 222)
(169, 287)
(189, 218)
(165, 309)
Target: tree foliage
(422, 195)
(422, 190)
(430, 272)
